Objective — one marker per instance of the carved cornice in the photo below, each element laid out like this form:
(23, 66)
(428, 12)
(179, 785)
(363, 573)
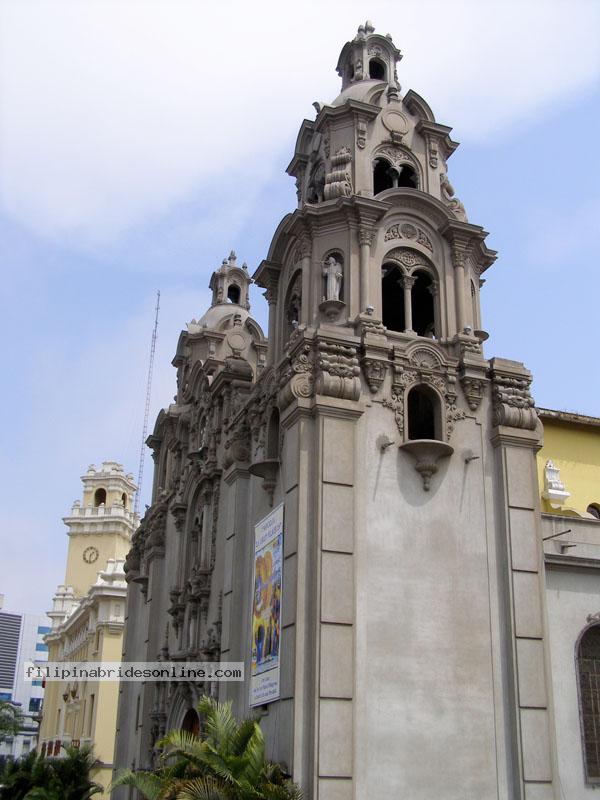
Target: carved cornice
(512, 404)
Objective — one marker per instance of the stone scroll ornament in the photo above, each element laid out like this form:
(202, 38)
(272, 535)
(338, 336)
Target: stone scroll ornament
(450, 199)
(338, 372)
(512, 404)
(297, 379)
(338, 182)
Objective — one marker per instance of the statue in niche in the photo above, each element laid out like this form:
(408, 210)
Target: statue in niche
(448, 197)
(333, 274)
(316, 185)
(294, 302)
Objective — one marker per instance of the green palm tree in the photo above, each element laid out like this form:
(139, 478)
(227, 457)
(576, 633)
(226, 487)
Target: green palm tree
(227, 762)
(33, 777)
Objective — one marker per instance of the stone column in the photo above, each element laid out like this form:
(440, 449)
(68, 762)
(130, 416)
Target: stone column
(407, 282)
(365, 237)
(206, 534)
(459, 287)
(271, 297)
(307, 298)
(529, 717)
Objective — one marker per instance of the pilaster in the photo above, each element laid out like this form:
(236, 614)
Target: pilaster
(530, 728)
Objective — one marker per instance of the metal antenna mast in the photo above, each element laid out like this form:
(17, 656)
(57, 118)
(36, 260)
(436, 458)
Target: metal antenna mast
(147, 408)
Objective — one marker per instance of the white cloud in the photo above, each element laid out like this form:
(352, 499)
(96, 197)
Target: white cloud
(114, 112)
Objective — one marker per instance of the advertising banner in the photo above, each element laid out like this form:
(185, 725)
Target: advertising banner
(266, 609)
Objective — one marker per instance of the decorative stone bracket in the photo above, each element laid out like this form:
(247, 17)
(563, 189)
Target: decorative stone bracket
(267, 470)
(427, 453)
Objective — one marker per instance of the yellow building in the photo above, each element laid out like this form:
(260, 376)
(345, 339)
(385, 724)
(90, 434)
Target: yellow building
(88, 616)
(569, 484)
(569, 464)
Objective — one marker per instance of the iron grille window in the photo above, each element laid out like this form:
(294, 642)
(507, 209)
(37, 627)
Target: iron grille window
(588, 663)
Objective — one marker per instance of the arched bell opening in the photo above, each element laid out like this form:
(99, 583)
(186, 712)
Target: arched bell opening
(387, 176)
(422, 304)
(233, 294)
(392, 298)
(100, 497)
(424, 416)
(191, 722)
(377, 69)
(407, 177)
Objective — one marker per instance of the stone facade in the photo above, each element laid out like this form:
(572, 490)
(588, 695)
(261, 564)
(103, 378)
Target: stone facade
(414, 652)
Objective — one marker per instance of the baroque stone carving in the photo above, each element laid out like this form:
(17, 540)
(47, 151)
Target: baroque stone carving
(397, 155)
(374, 369)
(448, 197)
(237, 447)
(298, 379)
(361, 133)
(338, 182)
(406, 230)
(424, 370)
(337, 371)
(473, 390)
(423, 358)
(512, 404)
(408, 258)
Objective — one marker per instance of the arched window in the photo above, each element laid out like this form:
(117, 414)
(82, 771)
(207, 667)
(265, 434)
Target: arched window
(594, 510)
(588, 669)
(376, 70)
(386, 176)
(392, 297)
(423, 413)
(423, 321)
(273, 435)
(407, 177)
(233, 294)
(124, 500)
(100, 497)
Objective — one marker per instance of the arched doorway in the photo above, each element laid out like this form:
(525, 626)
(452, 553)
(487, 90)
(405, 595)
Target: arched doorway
(191, 722)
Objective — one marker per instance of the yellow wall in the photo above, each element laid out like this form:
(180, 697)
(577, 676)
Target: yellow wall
(75, 718)
(81, 575)
(575, 451)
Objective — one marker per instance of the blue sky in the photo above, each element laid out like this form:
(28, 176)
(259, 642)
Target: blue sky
(140, 142)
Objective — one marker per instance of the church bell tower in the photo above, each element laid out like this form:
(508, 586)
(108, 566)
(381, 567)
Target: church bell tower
(414, 653)
(350, 508)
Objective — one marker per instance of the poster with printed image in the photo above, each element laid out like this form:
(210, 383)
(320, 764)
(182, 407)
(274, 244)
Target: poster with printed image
(266, 609)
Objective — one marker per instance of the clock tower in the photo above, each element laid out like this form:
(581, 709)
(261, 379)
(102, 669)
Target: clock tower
(100, 526)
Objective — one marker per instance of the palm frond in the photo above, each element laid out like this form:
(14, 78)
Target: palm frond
(151, 785)
(219, 722)
(206, 788)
